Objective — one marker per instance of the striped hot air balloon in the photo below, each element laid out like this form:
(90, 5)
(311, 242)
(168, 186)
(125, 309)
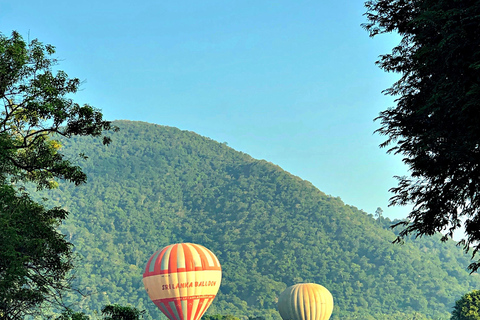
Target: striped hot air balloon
(182, 280)
(305, 301)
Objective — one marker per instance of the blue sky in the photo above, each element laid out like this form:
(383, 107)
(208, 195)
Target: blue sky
(291, 82)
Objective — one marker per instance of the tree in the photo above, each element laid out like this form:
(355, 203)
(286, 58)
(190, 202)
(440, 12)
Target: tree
(69, 314)
(379, 213)
(34, 258)
(434, 124)
(36, 104)
(467, 307)
(117, 312)
(224, 317)
(35, 111)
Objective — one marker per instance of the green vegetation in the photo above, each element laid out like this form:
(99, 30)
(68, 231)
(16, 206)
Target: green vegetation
(434, 124)
(34, 257)
(221, 317)
(157, 185)
(117, 312)
(468, 307)
(109, 312)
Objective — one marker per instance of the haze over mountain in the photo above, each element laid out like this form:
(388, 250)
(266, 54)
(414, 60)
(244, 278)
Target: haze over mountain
(157, 185)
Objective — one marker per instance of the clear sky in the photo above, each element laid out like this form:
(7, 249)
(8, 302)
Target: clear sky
(291, 82)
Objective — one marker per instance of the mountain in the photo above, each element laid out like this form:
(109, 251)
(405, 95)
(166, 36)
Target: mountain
(157, 185)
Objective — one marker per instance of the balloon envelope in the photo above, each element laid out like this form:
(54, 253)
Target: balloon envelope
(182, 280)
(305, 301)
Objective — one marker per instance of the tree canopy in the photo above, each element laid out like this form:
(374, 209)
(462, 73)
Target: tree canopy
(36, 104)
(118, 312)
(434, 124)
(468, 307)
(36, 110)
(34, 257)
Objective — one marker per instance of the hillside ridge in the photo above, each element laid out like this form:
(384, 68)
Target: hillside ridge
(157, 185)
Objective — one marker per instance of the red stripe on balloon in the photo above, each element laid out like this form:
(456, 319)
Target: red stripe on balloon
(207, 302)
(148, 264)
(204, 302)
(203, 258)
(199, 307)
(172, 262)
(178, 305)
(189, 263)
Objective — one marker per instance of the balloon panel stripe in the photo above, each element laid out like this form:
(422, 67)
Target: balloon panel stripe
(188, 312)
(189, 265)
(312, 308)
(217, 263)
(179, 305)
(172, 262)
(194, 309)
(203, 257)
(296, 312)
(322, 302)
(301, 297)
(320, 313)
(306, 301)
(207, 255)
(173, 307)
(206, 304)
(157, 264)
(154, 262)
(180, 257)
(165, 311)
(168, 311)
(199, 307)
(165, 258)
(202, 308)
(193, 278)
(184, 309)
(180, 278)
(197, 262)
(151, 262)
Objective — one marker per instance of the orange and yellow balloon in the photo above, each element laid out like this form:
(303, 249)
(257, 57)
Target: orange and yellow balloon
(182, 280)
(305, 301)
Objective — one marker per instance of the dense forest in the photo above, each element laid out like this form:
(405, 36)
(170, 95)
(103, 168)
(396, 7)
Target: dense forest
(156, 185)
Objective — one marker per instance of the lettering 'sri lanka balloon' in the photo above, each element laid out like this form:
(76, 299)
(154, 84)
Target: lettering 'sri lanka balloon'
(182, 280)
(305, 301)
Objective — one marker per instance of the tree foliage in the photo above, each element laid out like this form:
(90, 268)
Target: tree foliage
(69, 314)
(434, 124)
(118, 312)
(468, 307)
(35, 104)
(227, 317)
(35, 110)
(34, 257)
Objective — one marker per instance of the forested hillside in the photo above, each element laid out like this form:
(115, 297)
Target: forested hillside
(157, 185)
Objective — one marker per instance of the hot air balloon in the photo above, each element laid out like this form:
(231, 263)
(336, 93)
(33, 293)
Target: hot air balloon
(305, 301)
(182, 280)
